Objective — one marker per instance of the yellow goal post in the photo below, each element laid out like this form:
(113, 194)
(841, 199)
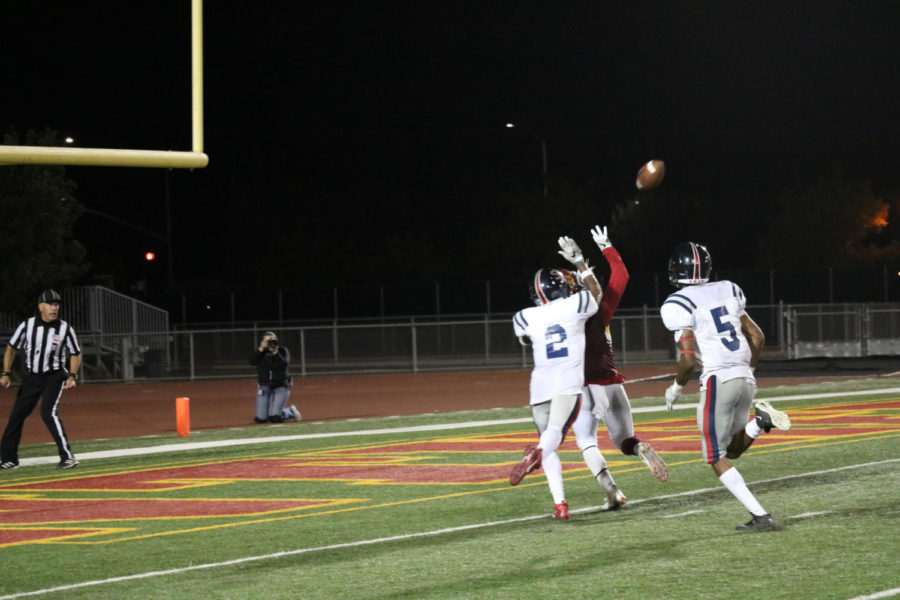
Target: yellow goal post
(110, 157)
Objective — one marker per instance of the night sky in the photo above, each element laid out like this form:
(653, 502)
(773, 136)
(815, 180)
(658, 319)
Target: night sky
(376, 119)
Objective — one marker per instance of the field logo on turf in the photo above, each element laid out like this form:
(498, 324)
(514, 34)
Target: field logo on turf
(104, 507)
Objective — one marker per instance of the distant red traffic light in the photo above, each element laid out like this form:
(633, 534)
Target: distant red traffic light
(150, 256)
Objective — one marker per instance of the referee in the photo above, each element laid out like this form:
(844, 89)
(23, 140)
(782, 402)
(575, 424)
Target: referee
(46, 340)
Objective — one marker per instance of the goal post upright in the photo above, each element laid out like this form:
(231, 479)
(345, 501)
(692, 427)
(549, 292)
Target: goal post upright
(197, 76)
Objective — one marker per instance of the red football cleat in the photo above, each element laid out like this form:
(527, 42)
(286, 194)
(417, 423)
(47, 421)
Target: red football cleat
(529, 463)
(561, 510)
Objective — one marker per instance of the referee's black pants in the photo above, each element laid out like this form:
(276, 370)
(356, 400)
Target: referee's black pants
(48, 389)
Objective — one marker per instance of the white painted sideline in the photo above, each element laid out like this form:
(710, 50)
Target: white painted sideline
(882, 594)
(421, 534)
(165, 448)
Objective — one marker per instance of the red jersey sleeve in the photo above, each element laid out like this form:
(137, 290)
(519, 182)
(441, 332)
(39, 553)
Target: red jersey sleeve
(618, 279)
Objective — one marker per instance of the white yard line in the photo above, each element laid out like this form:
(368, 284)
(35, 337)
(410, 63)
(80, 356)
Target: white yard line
(684, 514)
(167, 448)
(809, 515)
(422, 534)
(876, 595)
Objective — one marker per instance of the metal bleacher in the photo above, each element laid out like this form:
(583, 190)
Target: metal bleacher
(117, 332)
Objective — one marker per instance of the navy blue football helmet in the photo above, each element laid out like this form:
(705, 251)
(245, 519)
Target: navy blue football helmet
(689, 264)
(549, 285)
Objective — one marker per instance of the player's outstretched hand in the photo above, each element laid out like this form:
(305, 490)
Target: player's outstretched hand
(600, 237)
(673, 392)
(570, 251)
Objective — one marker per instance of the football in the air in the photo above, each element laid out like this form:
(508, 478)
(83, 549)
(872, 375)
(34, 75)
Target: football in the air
(650, 175)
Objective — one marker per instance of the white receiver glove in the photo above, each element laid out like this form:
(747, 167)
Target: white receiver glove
(570, 250)
(600, 237)
(673, 392)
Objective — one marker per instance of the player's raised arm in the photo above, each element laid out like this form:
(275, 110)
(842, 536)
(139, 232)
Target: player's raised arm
(618, 274)
(572, 253)
(601, 238)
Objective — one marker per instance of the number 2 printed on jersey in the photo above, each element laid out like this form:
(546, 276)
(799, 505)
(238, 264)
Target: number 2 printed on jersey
(555, 335)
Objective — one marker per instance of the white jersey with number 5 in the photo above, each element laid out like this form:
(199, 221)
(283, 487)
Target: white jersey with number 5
(556, 331)
(713, 312)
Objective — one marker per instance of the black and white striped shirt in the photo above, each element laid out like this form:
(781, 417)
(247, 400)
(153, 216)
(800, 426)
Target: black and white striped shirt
(44, 344)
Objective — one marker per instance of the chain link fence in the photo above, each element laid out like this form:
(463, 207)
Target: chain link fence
(128, 347)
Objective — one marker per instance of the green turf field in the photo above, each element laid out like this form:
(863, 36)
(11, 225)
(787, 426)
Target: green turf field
(381, 509)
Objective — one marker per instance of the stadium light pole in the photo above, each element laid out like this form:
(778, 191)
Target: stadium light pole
(170, 258)
(543, 144)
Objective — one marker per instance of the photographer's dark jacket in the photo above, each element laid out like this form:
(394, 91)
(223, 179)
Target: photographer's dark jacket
(271, 369)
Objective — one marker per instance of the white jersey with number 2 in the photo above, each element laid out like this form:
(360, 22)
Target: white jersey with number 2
(713, 312)
(556, 331)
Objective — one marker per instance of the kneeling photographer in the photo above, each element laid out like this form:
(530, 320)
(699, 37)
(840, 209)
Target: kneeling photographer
(271, 361)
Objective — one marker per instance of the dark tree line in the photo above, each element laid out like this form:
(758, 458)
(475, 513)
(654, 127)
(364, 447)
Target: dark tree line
(38, 211)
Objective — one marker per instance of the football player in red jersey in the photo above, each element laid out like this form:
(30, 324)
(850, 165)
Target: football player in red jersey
(604, 393)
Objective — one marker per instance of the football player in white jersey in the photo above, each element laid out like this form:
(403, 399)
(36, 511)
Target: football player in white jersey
(714, 332)
(554, 328)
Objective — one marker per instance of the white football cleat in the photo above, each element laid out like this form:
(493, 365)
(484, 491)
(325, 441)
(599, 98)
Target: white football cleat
(768, 417)
(616, 502)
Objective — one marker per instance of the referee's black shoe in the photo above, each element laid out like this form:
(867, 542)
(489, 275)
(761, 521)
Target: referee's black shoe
(9, 465)
(69, 463)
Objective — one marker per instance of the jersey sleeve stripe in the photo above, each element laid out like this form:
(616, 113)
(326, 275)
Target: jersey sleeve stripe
(678, 302)
(585, 299)
(519, 318)
(685, 298)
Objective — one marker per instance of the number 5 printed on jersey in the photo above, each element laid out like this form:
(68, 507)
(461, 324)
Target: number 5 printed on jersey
(556, 338)
(732, 343)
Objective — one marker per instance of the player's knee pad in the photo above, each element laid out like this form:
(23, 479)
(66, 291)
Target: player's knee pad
(585, 443)
(553, 435)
